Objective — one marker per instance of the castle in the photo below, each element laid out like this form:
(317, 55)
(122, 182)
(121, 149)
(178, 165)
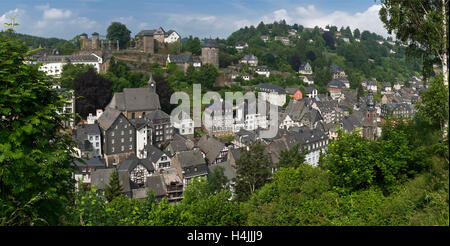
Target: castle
(210, 53)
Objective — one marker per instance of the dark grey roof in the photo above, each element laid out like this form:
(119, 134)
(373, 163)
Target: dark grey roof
(156, 183)
(236, 153)
(229, 171)
(132, 161)
(336, 84)
(309, 90)
(179, 59)
(351, 122)
(153, 153)
(90, 162)
(240, 43)
(157, 115)
(82, 131)
(135, 99)
(108, 117)
(190, 158)
(250, 57)
(138, 123)
(71, 59)
(211, 147)
(210, 44)
(292, 90)
(100, 178)
(271, 87)
(336, 68)
(262, 68)
(176, 146)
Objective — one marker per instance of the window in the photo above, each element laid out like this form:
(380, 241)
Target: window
(122, 147)
(121, 133)
(131, 139)
(131, 131)
(131, 147)
(112, 134)
(96, 144)
(112, 150)
(126, 126)
(90, 138)
(96, 137)
(112, 141)
(121, 140)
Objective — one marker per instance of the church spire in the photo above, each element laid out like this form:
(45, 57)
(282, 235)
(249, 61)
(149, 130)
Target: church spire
(152, 83)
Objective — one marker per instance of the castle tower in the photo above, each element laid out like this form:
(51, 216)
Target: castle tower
(148, 43)
(84, 41)
(210, 53)
(95, 41)
(370, 119)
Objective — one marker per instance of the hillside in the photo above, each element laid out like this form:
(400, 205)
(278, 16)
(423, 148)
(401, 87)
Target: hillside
(363, 58)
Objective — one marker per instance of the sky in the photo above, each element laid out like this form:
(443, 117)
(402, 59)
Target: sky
(201, 18)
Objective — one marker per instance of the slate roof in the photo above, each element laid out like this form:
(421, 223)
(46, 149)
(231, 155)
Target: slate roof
(235, 153)
(67, 59)
(211, 147)
(296, 109)
(176, 146)
(309, 90)
(94, 162)
(138, 123)
(156, 183)
(157, 115)
(250, 57)
(272, 87)
(189, 160)
(229, 171)
(132, 162)
(292, 90)
(210, 44)
(81, 135)
(351, 122)
(336, 84)
(100, 178)
(135, 99)
(108, 117)
(153, 153)
(336, 68)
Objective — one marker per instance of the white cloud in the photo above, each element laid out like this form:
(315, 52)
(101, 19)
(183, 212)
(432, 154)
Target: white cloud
(8, 16)
(53, 13)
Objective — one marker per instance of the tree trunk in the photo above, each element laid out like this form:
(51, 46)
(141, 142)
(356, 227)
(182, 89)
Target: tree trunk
(445, 48)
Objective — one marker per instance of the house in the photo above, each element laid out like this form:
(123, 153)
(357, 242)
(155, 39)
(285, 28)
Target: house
(337, 72)
(84, 169)
(92, 119)
(292, 32)
(190, 164)
(248, 117)
(214, 150)
(143, 136)
(240, 46)
(390, 98)
(159, 159)
(313, 141)
(274, 94)
(161, 127)
(89, 140)
(138, 170)
(53, 65)
(346, 82)
(263, 70)
(119, 136)
(154, 183)
(305, 68)
(176, 146)
(184, 61)
(397, 110)
(307, 79)
(183, 123)
(243, 138)
(311, 92)
(171, 37)
(398, 85)
(387, 87)
(250, 60)
(357, 40)
(228, 170)
(220, 120)
(345, 38)
(136, 102)
(295, 93)
(173, 185)
(299, 113)
(283, 40)
(335, 88)
(372, 86)
(100, 179)
(265, 38)
(68, 108)
(247, 77)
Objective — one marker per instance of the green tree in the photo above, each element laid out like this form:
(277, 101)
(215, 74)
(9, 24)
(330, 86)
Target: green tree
(35, 155)
(118, 31)
(254, 169)
(71, 72)
(113, 189)
(292, 158)
(435, 105)
(217, 181)
(424, 25)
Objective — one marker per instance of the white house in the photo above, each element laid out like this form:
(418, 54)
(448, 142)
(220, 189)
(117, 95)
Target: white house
(263, 70)
(159, 159)
(240, 46)
(53, 65)
(311, 92)
(250, 60)
(143, 136)
(184, 124)
(171, 37)
(272, 93)
(91, 119)
(305, 68)
(307, 79)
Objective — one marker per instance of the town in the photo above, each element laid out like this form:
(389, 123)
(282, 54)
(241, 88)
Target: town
(297, 117)
(133, 135)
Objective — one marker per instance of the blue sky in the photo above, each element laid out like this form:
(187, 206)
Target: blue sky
(212, 18)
